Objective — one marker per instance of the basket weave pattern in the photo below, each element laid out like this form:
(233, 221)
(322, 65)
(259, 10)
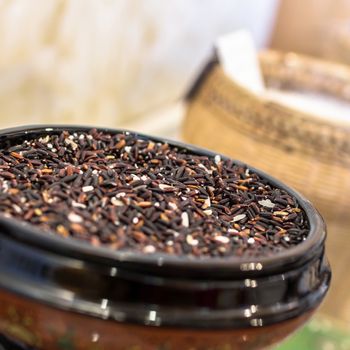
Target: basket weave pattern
(309, 153)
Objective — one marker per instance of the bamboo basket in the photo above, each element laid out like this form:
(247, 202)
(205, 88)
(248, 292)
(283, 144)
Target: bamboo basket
(309, 153)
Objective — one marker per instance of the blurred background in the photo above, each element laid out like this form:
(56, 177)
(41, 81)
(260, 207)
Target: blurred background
(129, 63)
(111, 61)
(105, 62)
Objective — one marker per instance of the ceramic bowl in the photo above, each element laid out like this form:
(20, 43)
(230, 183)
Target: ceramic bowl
(64, 294)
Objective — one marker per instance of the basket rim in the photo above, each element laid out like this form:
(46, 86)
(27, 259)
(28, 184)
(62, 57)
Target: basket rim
(282, 59)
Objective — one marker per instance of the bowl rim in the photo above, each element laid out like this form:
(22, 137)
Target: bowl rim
(289, 258)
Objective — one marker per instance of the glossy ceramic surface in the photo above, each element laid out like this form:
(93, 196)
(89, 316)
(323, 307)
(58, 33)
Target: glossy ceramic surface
(56, 291)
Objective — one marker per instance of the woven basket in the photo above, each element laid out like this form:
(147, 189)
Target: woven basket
(309, 153)
(305, 151)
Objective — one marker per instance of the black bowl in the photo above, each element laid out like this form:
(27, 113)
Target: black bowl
(211, 300)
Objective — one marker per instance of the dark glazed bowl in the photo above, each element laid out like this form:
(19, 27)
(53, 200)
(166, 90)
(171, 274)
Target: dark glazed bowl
(65, 294)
